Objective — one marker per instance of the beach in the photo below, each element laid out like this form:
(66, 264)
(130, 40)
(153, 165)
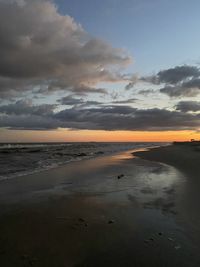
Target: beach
(132, 208)
(99, 133)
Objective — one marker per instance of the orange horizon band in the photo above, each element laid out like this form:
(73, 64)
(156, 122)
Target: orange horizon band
(65, 135)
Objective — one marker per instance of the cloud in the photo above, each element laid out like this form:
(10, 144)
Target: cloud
(70, 100)
(93, 116)
(30, 122)
(146, 92)
(186, 106)
(188, 88)
(43, 51)
(132, 81)
(128, 118)
(86, 89)
(24, 107)
(39, 46)
(173, 75)
(180, 81)
(177, 74)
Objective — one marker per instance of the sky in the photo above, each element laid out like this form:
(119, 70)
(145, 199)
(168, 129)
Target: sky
(107, 70)
(157, 33)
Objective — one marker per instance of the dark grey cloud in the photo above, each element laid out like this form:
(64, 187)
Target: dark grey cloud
(174, 75)
(188, 88)
(41, 47)
(12, 87)
(177, 74)
(30, 122)
(186, 106)
(127, 118)
(96, 117)
(70, 100)
(180, 81)
(86, 89)
(24, 107)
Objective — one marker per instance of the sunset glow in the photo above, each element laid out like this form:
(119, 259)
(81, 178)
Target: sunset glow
(98, 136)
(78, 73)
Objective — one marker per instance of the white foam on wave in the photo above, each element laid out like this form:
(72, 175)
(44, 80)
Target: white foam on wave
(24, 159)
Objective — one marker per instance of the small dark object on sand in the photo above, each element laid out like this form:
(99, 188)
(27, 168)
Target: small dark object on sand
(111, 221)
(120, 176)
(160, 233)
(81, 220)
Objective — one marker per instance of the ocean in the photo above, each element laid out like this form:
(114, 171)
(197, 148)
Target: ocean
(18, 159)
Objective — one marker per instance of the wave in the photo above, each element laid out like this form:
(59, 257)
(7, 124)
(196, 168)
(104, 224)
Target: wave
(27, 158)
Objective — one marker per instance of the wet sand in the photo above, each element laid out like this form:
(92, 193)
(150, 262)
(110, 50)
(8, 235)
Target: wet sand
(81, 214)
(186, 159)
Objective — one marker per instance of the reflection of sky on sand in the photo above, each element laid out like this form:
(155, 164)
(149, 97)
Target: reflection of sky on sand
(149, 185)
(97, 179)
(146, 184)
(127, 154)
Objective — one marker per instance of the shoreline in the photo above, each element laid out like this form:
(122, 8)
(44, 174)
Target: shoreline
(39, 183)
(59, 164)
(83, 214)
(186, 158)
